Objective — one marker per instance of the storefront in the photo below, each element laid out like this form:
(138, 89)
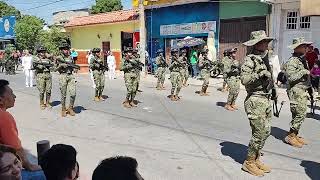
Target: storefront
(166, 25)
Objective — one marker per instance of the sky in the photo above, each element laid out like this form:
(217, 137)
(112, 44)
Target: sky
(45, 12)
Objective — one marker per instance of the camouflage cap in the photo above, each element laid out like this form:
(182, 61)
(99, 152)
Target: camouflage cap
(128, 49)
(135, 50)
(96, 50)
(174, 50)
(41, 49)
(296, 42)
(231, 50)
(257, 36)
(64, 45)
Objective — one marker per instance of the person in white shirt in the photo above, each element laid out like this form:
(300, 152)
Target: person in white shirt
(27, 68)
(111, 61)
(89, 57)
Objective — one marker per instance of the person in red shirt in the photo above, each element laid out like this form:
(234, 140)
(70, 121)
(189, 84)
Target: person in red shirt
(311, 57)
(8, 128)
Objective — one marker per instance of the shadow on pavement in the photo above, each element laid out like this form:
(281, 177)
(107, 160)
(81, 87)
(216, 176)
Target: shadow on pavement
(105, 97)
(55, 103)
(221, 104)
(313, 116)
(79, 109)
(237, 152)
(278, 133)
(312, 169)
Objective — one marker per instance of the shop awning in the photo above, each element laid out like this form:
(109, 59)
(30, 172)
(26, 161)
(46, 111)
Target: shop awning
(310, 8)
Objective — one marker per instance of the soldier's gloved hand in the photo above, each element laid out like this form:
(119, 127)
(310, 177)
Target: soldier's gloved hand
(265, 74)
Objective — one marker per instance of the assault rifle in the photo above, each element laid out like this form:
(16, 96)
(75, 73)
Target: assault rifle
(136, 64)
(69, 64)
(101, 66)
(46, 64)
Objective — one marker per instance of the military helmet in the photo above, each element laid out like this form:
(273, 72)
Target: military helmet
(128, 49)
(96, 50)
(174, 50)
(64, 45)
(41, 49)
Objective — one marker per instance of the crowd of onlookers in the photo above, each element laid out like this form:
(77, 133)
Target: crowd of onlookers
(57, 163)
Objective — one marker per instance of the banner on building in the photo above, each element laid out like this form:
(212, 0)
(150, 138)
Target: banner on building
(188, 28)
(310, 8)
(7, 24)
(135, 3)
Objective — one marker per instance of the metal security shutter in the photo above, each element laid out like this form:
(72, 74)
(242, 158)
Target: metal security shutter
(234, 32)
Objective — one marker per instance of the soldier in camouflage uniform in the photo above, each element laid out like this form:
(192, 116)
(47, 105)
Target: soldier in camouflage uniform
(184, 71)
(129, 66)
(224, 60)
(136, 57)
(205, 65)
(232, 71)
(98, 68)
(67, 80)
(299, 82)
(42, 67)
(9, 59)
(257, 79)
(161, 71)
(175, 75)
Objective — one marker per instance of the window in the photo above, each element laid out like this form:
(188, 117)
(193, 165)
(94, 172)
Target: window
(294, 21)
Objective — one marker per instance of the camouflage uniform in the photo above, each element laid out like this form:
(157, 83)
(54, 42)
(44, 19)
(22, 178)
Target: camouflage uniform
(138, 70)
(98, 68)
(67, 81)
(299, 83)
(257, 79)
(205, 65)
(224, 60)
(161, 71)
(175, 76)
(9, 60)
(42, 68)
(184, 70)
(129, 67)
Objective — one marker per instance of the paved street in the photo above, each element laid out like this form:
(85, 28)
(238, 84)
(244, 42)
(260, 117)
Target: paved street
(194, 139)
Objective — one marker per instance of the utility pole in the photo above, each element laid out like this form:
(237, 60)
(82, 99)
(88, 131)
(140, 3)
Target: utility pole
(142, 36)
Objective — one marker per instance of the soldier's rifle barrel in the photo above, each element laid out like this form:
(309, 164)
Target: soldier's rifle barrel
(69, 64)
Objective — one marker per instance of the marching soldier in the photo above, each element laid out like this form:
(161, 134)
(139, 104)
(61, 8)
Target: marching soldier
(184, 71)
(43, 66)
(136, 57)
(224, 60)
(98, 68)
(175, 75)
(205, 65)
(67, 80)
(257, 78)
(299, 82)
(232, 72)
(9, 60)
(129, 67)
(161, 71)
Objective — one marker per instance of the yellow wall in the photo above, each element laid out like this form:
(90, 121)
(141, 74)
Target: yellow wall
(86, 37)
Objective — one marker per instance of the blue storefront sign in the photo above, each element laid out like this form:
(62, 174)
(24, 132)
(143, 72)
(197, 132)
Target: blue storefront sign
(7, 24)
(166, 24)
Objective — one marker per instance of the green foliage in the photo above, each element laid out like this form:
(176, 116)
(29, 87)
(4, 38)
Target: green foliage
(27, 31)
(51, 39)
(106, 6)
(7, 10)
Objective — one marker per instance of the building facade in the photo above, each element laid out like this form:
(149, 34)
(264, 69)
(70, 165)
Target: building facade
(287, 23)
(169, 23)
(112, 31)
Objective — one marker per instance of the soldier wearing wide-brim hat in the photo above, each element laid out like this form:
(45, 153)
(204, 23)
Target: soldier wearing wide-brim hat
(257, 78)
(161, 70)
(298, 74)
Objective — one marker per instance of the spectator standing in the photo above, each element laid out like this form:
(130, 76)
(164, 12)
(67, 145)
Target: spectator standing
(89, 57)
(311, 57)
(111, 61)
(74, 56)
(8, 128)
(117, 168)
(27, 66)
(194, 62)
(60, 163)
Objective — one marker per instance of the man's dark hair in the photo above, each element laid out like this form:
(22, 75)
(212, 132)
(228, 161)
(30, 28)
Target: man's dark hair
(58, 162)
(116, 168)
(3, 84)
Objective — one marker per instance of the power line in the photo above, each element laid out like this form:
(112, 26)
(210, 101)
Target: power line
(43, 5)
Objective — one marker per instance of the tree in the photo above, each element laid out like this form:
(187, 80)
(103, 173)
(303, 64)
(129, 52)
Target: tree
(27, 31)
(106, 6)
(7, 10)
(51, 39)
